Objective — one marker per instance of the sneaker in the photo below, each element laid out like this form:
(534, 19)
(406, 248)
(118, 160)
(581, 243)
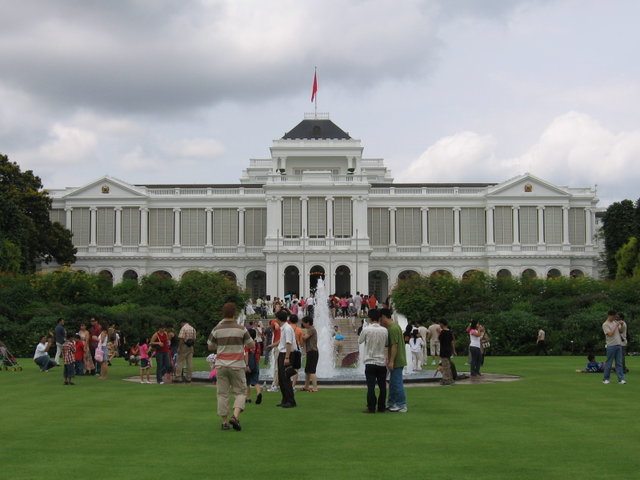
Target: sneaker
(161, 383)
(621, 382)
(402, 410)
(273, 389)
(606, 382)
(393, 408)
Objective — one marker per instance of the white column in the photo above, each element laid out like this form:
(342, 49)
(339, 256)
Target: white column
(209, 227)
(565, 225)
(359, 216)
(456, 227)
(118, 242)
(392, 226)
(588, 227)
(329, 216)
(241, 227)
(540, 225)
(67, 211)
(491, 239)
(144, 226)
(93, 226)
(516, 225)
(304, 209)
(425, 226)
(176, 227)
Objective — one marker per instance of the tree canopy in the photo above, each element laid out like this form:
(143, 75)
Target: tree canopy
(621, 221)
(27, 235)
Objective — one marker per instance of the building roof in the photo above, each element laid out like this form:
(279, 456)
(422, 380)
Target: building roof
(316, 129)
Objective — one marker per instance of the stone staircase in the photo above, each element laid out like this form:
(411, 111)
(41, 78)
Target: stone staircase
(348, 327)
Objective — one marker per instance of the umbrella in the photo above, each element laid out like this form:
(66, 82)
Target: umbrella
(350, 359)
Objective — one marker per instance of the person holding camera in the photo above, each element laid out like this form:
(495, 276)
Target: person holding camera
(611, 328)
(41, 356)
(186, 341)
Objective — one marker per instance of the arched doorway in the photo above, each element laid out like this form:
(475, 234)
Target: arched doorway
(162, 274)
(441, 273)
(291, 280)
(379, 284)
(504, 273)
(576, 273)
(405, 274)
(554, 273)
(230, 275)
(470, 274)
(343, 280)
(257, 284)
(130, 275)
(190, 272)
(315, 273)
(106, 274)
(529, 273)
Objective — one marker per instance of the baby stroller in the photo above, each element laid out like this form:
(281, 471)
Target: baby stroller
(7, 360)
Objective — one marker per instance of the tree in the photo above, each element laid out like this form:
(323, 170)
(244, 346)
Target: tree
(619, 224)
(27, 235)
(628, 260)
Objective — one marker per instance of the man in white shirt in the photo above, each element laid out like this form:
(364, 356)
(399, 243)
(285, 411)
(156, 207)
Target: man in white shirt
(286, 346)
(376, 339)
(41, 356)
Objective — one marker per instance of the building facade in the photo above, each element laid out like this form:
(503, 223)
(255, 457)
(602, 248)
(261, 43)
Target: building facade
(317, 208)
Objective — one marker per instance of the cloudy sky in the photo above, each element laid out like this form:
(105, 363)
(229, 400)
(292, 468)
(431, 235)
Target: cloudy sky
(181, 91)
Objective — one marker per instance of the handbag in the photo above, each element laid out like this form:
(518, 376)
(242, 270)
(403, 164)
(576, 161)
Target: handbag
(295, 359)
(99, 356)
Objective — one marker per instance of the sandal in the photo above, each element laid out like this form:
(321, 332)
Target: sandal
(305, 389)
(225, 426)
(235, 423)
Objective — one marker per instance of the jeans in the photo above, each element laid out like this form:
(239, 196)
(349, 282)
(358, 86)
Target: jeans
(45, 362)
(614, 353)
(376, 374)
(476, 358)
(396, 389)
(284, 378)
(163, 365)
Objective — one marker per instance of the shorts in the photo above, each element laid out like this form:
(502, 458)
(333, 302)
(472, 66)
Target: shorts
(69, 370)
(312, 362)
(253, 378)
(435, 348)
(144, 363)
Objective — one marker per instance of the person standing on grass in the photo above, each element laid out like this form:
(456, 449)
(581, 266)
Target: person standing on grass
(69, 359)
(375, 339)
(252, 360)
(611, 328)
(446, 352)
(475, 348)
(286, 346)
(310, 339)
(103, 356)
(186, 341)
(273, 348)
(145, 362)
(396, 361)
(162, 343)
(229, 339)
(433, 332)
(60, 335)
(624, 337)
(95, 331)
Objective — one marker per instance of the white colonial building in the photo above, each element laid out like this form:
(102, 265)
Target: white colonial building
(318, 208)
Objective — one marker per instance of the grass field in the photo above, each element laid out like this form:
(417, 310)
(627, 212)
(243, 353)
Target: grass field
(551, 424)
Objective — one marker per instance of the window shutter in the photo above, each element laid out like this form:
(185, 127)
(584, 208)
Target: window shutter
(378, 225)
(553, 225)
(441, 226)
(528, 222)
(473, 226)
(80, 225)
(408, 226)
(342, 217)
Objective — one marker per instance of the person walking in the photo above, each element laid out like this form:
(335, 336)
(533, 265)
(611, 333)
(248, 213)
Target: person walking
(375, 339)
(186, 341)
(286, 347)
(433, 332)
(541, 343)
(611, 328)
(229, 339)
(396, 361)
(446, 352)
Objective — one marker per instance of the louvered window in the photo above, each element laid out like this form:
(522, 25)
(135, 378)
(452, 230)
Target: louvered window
(503, 225)
(291, 217)
(255, 226)
(553, 225)
(472, 226)
(193, 227)
(161, 229)
(58, 215)
(130, 226)
(528, 223)
(225, 227)
(378, 225)
(441, 226)
(105, 226)
(408, 226)
(577, 226)
(317, 217)
(342, 215)
(80, 226)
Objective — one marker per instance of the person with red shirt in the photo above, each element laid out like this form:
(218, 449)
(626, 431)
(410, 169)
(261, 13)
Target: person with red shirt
(79, 355)
(161, 342)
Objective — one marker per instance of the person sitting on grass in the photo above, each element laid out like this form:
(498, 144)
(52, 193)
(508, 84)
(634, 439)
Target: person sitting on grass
(592, 366)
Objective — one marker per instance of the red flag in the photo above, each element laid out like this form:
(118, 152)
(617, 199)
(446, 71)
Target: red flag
(314, 90)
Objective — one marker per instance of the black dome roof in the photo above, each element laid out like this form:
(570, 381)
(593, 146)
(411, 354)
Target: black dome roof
(316, 129)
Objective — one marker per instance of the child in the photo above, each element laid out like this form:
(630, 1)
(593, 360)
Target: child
(69, 358)
(134, 354)
(592, 366)
(252, 360)
(79, 355)
(145, 361)
(111, 347)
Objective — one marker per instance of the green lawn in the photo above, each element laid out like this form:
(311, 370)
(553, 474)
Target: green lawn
(552, 424)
